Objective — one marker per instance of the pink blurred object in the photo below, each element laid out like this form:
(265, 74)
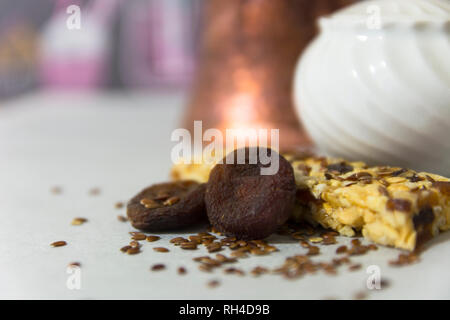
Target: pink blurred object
(157, 42)
(77, 58)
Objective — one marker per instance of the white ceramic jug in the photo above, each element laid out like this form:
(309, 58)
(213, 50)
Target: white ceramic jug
(375, 84)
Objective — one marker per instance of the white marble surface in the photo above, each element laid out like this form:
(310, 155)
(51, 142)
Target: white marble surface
(121, 143)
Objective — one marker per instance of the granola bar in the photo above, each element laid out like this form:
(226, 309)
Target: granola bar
(388, 205)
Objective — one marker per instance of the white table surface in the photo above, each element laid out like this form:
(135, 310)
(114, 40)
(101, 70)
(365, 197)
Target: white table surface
(121, 143)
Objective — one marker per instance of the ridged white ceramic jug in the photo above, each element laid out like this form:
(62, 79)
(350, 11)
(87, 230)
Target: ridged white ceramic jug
(375, 84)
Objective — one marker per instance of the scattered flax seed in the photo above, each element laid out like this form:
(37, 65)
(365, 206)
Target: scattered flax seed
(161, 249)
(134, 244)
(239, 254)
(178, 240)
(269, 248)
(205, 268)
(313, 251)
(158, 267)
(236, 271)
(356, 242)
(214, 247)
(211, 262)
(199, 259)
(305, 244)
(213, 284)
(139, 236)
(405, 259)
(355, 267)
(182, 271)
(78, 221)
(125, 248)
(56, 190)
(257, 252)
(257, 271)
(316, 239)
(384, 283)
(341, 249)
(152, 238)
(188, 246)
(361, 295)
(171, 201)
(372, 247)
(149, 203)
(223, 259)
(134, 250)
(118, 205)
(94, 191)
(58, 244)
(122, 218)
(74, 264)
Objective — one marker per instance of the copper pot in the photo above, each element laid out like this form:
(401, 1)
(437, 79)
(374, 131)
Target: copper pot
(248, 54)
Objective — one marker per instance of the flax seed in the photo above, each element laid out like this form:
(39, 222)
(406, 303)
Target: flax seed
(74, 264)
(171, 201)
(94, 191)
(125, 248)
(122, 218)
(214, 247)
(313, 251)
(78, 221)
(158, 267)
(152, 238)
(224, 259)
(182, 271)
(134, 244)
(56, 190)
(139, 236)
(161, 249)
(149, 203)
(341, 249)
(178, 240)
(134, 250)
(316, 239)
(188, 246)
(58, 244)
(213, 283)
(355, 267)
(118, 205)
(257, 271)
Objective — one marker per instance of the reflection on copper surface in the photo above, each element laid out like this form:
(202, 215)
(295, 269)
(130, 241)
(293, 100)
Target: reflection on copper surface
(248, 55)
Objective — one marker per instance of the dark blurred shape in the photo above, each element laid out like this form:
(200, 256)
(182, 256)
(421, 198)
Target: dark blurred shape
(249, 51)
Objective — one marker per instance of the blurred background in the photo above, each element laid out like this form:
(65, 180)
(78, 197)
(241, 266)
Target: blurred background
(121, 45)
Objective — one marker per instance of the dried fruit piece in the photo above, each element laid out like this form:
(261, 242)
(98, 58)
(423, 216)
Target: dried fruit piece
(243, 202)
(149, 210)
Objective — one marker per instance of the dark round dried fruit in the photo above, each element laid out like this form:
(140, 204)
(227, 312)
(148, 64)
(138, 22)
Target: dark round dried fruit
(168, 206)
(243, 202)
